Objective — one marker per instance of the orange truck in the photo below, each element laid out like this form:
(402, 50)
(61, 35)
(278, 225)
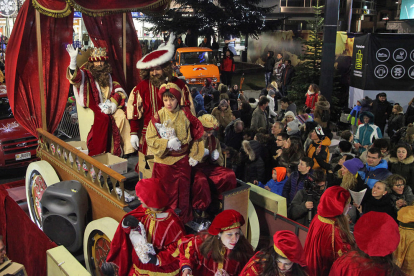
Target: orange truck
(196, 64)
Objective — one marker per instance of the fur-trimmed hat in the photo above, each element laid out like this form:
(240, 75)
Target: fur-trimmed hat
(209, 122)
(162, 55)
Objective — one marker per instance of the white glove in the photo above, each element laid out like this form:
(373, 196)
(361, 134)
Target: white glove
(105, 107)
(112, 107)
(206, 152)
(215, 155)
(134, 141)
(141, 246)
(192, 162)
(221, 272)
(174, 144)
(73, 53)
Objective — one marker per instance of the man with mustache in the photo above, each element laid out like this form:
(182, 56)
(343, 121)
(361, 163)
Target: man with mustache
(144, 102)
(94, 88)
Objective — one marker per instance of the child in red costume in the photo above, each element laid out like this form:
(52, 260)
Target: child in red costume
(173, 137)
(285, 257)
(329, 236)
(162, 227)
(223, 250)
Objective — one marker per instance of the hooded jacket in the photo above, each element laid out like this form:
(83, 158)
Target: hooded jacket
(270, 62)
(254, 165)
(322, 159)
(277, 186)
(371, 175)
(405, 168)
(320, 107)
(381, 110)
(367, 132)
(353, 117)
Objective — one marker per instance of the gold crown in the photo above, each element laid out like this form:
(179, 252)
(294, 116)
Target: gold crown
(98, 54)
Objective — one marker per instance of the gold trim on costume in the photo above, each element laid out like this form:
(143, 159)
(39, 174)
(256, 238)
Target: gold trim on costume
(234, 225)
(325, 220)
(331, 222)
(187, 250)
(153, 273)
(53, 13)
(278, 251)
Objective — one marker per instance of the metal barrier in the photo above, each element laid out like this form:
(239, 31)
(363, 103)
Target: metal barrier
(69, 125)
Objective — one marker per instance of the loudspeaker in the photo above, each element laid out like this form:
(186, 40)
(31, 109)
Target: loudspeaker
(64, 213)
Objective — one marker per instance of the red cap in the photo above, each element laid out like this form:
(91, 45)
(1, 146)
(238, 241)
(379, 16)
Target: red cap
(287, 245)
(152, 193)
(226, 220)
(173, 88)
(373, 228)
(333, 202)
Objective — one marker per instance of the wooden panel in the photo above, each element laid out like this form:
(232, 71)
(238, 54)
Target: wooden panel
(237, 199)
(268, 200)
(302, 236)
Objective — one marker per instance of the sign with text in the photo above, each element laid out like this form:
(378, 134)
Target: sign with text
(383, 62)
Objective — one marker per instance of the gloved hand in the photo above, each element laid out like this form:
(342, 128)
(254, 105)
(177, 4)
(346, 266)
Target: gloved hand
(107, 269)
(130, 221)
(206, 152)
(174, 144)
(139, 240)
(134, 141)
(153, 259)
(192, 162)
(73, 53)
(112, 108)
(215, 155)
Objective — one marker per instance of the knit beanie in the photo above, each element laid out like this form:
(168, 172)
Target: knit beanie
(303, 118)
(271, 92)
(293, 125)
(290, 113)
(353, 165)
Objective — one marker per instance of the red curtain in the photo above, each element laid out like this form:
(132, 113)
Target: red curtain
(25, 242)
(22, 79)
(106, 32)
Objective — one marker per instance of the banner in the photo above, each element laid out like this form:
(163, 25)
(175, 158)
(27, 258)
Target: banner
(383, 62)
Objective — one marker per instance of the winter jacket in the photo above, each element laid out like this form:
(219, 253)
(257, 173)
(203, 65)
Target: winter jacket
(198, 102)
(395, 122)
(384, 205)
(294, 184)
(259, 119)
(321, 113)
(409, 114)
(297, 210)
(381, 111)
(353, 117)
(366, 133)
(404, 168)
(254, 165)
(231, 138)
(222, 120)
(271, 107)
(287, 75)
(371, 175)
(275, 187)
(322, 159)
(407, 195)
(227, 64)
(270, 62)
(311, 99)
(289, 161)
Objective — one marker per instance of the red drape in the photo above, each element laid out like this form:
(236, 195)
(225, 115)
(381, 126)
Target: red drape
(22, 77)
(25, 242)
(106, 32)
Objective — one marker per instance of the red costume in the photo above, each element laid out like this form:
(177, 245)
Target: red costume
(164, 230)
(191, 257)
(287, 245)
(376, 234)
(324, 243)
(212, 169)
(105, 133)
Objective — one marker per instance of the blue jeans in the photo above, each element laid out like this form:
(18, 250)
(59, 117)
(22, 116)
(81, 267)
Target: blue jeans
(268, 78)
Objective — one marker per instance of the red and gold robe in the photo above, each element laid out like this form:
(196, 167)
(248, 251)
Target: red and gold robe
(253, 266)
(352, 264)
(144, 103)
(224, 179)
(323, 246)
(163, 233)
(109, 133)
(191, 257)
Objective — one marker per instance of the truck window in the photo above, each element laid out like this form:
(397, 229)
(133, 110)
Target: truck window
(5, 109)
(196, 58)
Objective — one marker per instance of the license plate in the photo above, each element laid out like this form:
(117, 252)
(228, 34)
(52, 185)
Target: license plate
(24, 155)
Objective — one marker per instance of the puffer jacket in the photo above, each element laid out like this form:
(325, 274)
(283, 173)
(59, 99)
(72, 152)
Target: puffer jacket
(311, 99)
(322, 159)
(371, 175)
(353, 117)
(367, 132)
(407, 195)
(254, 165)
(395, 122)
(405, 168)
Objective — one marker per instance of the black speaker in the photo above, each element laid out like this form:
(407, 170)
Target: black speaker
(64, 213)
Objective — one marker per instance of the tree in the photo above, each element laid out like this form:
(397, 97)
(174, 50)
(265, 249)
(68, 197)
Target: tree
(308, 70)
(206, 17)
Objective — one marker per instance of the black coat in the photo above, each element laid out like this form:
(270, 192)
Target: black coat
(384, 205)
(409, 115)
(395, 122)
(270, 63)
(381, 111)
(404, 168)
(297, 210)
(251, 156)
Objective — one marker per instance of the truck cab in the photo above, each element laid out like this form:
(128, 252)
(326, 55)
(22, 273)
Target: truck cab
(17, 145)
(196, 64)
